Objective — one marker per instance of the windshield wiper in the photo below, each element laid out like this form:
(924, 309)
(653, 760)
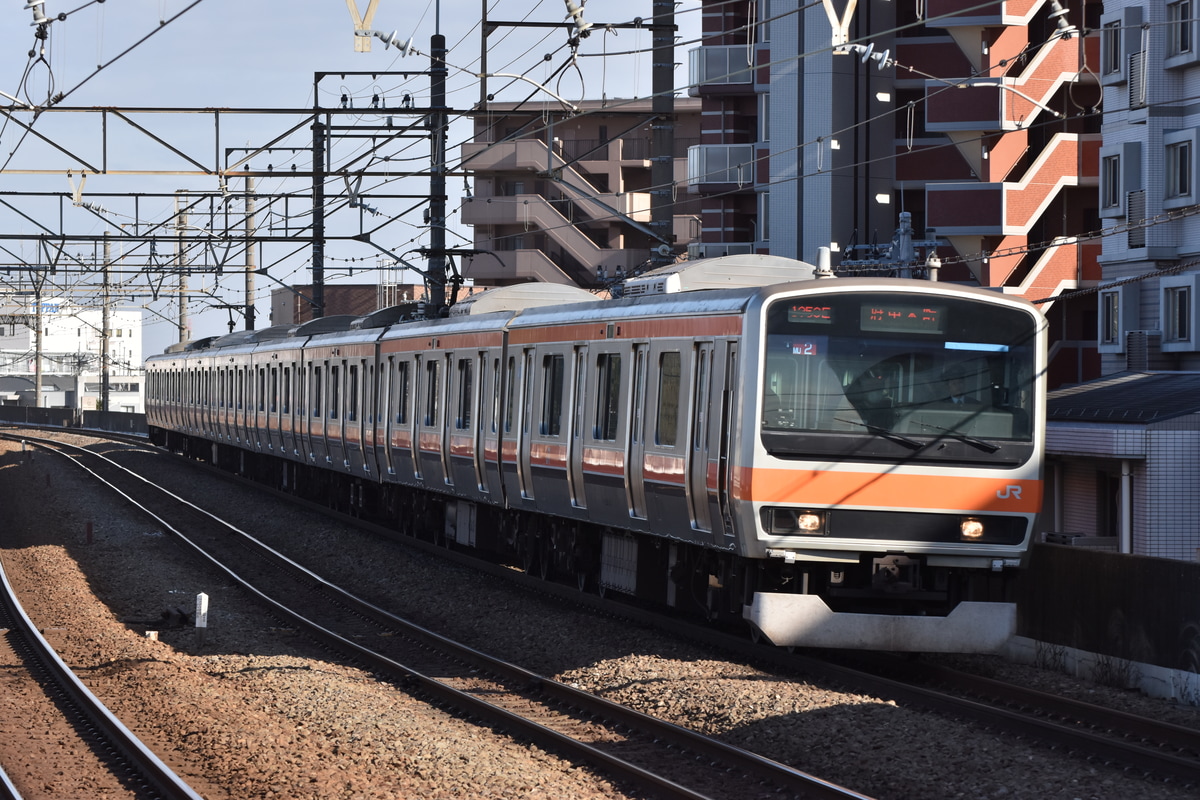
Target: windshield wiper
(892, 436)
(962, 437)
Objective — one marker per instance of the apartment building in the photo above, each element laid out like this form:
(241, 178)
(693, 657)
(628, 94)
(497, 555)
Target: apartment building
(565, 197)
(1147, 306)
(823, 124)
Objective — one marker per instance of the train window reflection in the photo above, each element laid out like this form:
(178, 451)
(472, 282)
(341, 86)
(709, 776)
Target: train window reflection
(667, 420)
(969, 379)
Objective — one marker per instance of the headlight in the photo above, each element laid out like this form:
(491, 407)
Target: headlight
(809, 522)
(971, 529)
(792, 522)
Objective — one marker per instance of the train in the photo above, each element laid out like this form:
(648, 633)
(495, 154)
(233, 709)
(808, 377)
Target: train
(837, 462)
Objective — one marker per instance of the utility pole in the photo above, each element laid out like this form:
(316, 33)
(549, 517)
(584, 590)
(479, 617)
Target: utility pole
(104, 328)
(318, 200)
(437, 172)
(181, 219)
(251, 256)
(662, 138)
(37, 343)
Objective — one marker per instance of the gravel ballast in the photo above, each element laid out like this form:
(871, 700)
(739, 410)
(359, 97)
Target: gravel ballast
(250, 709)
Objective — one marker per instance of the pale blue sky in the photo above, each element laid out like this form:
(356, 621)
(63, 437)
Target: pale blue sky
(242, 53)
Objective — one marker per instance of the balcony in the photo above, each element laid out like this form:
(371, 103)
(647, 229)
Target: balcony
(518, 266)
(1003, 209)
(1006, 103)
(718, 167)
(723, 70)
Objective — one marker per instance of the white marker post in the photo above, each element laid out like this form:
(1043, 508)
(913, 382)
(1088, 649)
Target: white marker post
(201, 616)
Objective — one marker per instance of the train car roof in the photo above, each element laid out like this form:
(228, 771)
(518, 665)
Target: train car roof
(724, 272)
(519, 296)
(338, 322)
(698, 303)
(492, 321)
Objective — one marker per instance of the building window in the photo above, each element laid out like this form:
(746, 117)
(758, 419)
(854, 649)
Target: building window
(1110, 44)
(1178, 312)
(1177, 318)
(1179, 28)
(1179, 169)
(1110, 317)
(1110, 182)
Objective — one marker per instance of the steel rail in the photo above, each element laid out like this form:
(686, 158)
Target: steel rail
(799, 783)
(137, 754)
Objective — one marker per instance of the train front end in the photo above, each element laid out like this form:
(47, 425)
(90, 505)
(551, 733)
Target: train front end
(890, 488)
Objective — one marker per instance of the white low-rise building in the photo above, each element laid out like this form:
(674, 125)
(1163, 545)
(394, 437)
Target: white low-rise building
(76, 362)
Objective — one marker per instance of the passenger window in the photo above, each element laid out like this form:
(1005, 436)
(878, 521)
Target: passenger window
(402, 393)
(552, 395)
(462, 420)
(608, 396)
(335, 386)
(511, 395)
(495, 393)
(667, 424)
(431, 393)
(287, 390)
(316, 392)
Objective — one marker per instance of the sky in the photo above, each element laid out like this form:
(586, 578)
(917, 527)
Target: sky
(236, 54)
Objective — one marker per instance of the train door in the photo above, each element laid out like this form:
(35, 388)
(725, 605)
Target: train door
(477, 429)
(524, 468)
(367, 419)
(384, 418)
(698, 447)
(303, 398)
(316, 423)
(575, 484)
(419, 379)
(490, 422)
(258, 406)
(725, 442)
(446, 421)
(355, 414)
(287, 419)
(635, 455)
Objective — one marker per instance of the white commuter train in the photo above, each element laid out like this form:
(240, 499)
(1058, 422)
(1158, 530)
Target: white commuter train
(844, 462)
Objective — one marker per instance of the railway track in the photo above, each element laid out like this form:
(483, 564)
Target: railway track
(1164, 750)
(1097, 734)
(663, 759)
(39, 685)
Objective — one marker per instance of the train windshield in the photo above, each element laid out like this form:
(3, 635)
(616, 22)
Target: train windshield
(887, 376)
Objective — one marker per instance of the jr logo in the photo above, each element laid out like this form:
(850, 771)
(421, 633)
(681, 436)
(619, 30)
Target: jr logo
(1009, 491)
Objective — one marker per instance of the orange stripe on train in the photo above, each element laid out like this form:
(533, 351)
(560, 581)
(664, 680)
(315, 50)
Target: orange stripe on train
(821, 488)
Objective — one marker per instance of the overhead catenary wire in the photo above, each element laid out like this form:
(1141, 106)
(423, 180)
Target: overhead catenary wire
(414, 145)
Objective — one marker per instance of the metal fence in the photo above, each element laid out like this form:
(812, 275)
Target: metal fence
(1130, 607)
(117, 421)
